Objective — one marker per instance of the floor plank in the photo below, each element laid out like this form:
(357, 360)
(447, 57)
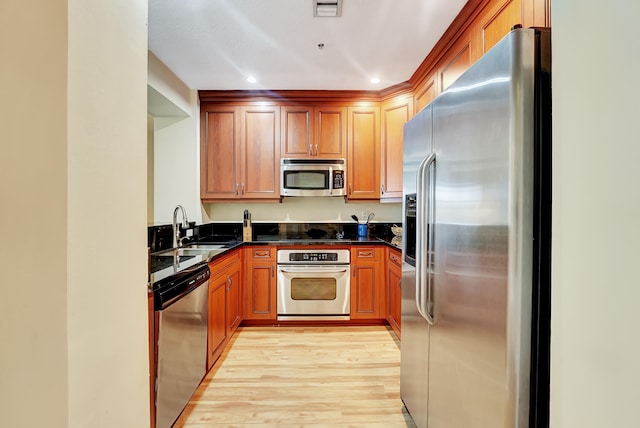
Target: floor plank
(303, 377)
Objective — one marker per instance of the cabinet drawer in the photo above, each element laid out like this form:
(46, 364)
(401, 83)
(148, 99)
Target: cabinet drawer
(261, 253)
(395, 258)
(220, 266)
(365, 253)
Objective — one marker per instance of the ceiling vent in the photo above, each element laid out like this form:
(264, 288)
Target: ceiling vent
(327, 8)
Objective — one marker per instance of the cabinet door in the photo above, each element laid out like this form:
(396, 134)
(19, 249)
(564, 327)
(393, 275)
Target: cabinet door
(260, 291)
(330, 132)
(495, 22)
(233, 298)
(217, 330)
(395, 113)
(367, 283)
(296, 131)
(459, 60)
(536, 13)
(394, 293)
(363, 161)
(261, 152)
(425, 93)
(220, 175)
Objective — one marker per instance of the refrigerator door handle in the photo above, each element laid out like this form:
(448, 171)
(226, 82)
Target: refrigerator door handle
(423, 216)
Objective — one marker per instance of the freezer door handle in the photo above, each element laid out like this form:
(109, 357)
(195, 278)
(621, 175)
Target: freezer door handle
(424, 215)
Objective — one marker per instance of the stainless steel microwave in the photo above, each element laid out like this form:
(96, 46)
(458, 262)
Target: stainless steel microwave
(313, 177)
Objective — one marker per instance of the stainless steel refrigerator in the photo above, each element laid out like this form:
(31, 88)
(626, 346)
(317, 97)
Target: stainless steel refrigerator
(476, 244)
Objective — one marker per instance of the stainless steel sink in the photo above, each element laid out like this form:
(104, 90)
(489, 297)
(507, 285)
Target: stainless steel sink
(204, 246)
(192, 250)
(181, 252)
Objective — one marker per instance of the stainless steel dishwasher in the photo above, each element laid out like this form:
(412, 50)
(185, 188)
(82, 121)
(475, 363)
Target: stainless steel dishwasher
(180, 303)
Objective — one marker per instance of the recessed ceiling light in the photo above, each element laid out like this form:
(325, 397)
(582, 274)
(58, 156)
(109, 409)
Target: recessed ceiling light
(375, 80)
(251, 79)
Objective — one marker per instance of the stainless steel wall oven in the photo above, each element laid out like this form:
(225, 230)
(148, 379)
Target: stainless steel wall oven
(313, 284)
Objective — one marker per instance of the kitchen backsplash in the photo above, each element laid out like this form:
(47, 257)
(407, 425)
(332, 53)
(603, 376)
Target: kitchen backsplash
(303, 209)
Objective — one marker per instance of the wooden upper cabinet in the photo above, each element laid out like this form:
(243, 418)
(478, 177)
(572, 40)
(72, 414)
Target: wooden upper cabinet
(425, 93)
(313, 132)
(363, 159)
(261, 155)
(330, 124)
(536, 13)
(239, 152)
(220, 151)
(458, 61)
(495, 22)
(395, 113)
(296, 132)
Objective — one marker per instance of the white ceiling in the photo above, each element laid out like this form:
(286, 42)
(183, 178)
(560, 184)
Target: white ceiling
(217, 44)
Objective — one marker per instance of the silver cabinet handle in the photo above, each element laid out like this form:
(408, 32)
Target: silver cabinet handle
(237, 187)
(382, 189)
(310, 149)
(316, 150)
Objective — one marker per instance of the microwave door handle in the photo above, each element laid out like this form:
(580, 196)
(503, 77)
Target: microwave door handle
(331, 180)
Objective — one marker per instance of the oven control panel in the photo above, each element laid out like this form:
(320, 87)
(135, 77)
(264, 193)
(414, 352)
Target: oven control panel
(313, 257)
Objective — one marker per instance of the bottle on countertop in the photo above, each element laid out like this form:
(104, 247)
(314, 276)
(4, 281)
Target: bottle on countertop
(246, 227)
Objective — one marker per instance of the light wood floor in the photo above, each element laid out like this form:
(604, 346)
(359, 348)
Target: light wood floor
(303, 377)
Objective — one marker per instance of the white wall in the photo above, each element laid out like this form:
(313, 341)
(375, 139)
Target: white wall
(107, 148)
(74, 325)
(176, 157)
(177, 166)
(595, 374)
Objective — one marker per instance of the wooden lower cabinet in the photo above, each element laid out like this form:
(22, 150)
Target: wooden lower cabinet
(225, 303)
(394, 292)
(217, 329)
(260, 283)
(367, 283)
(234, 297)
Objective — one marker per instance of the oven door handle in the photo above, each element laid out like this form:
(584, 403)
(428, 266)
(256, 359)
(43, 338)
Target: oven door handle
(316, 270)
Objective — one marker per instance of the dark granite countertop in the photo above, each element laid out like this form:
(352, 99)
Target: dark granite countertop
(163, 263)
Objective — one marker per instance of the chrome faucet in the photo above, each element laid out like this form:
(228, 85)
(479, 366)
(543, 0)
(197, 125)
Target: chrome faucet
(176, 230)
